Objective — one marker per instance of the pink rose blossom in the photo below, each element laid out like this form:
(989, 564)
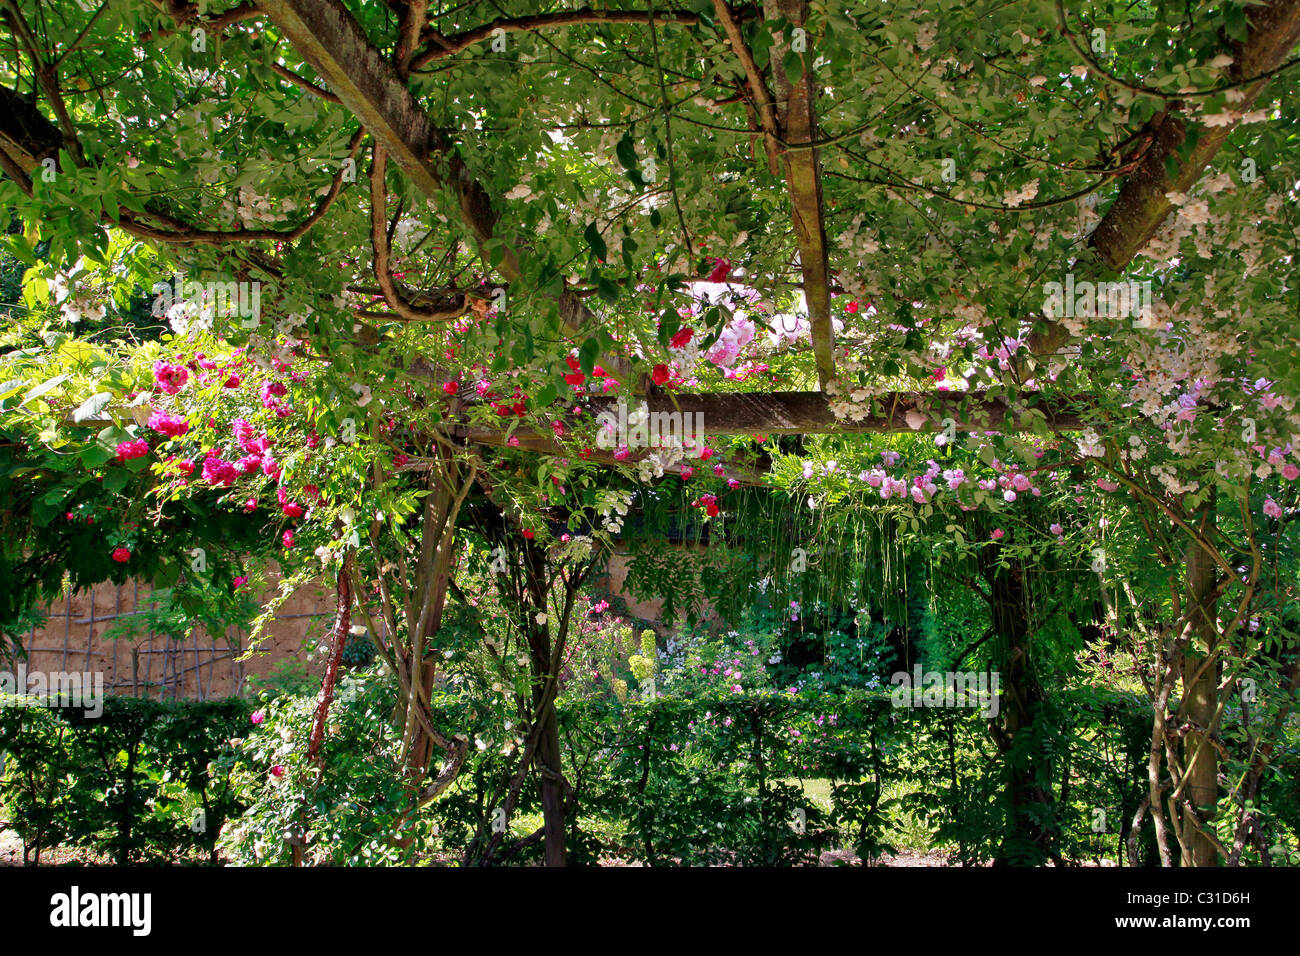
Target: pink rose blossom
(169, 377)
(249, 465)
(219, 472)
(132, 449)
(242, 431)
(168, 424)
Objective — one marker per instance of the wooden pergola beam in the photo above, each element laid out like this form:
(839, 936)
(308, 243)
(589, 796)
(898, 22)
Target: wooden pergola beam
(789, 413)
(788, 117)
(370, 87)
(797, 114)
(367, 84)
(1141, 207)
(809, 413)
(546, 444)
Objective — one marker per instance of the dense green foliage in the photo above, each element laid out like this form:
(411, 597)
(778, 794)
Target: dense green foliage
(146, 781)
(669, 781)
(355, 292)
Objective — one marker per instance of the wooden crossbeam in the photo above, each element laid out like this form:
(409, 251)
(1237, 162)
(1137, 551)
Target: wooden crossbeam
(797, 112)
(809, 413)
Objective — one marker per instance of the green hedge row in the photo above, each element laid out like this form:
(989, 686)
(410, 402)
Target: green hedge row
(722, 780)
(667, 781)
(773, 779)
(146, 781)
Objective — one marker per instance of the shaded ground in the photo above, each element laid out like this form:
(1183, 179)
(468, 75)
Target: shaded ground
(11, 854)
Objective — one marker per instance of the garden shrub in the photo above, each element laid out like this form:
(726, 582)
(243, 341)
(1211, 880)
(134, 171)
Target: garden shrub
(716, 779)
(692, 778)
(342, 813)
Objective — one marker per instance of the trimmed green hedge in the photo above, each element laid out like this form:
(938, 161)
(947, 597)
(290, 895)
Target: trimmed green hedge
(668, 781)
(146, 781)
(711, 781)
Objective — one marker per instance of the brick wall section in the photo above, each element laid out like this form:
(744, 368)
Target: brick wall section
(201, 667)
(204, 668)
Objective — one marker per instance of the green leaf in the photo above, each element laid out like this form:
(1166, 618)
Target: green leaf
(92, 406)
(669, 323)
(592, 235)
(43, 512)
(167, 574)
(112, 436)
(95, 455)
(545, 395)
(18, 246)
(116, 479)
(10, 387)
(793, 63)
(45, 387)
(626, 152)
(587, 355)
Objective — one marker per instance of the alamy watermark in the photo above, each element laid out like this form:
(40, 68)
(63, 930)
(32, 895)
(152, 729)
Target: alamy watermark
(640, 428)
(1091, 300)
(223, 299)
(946, 689)
(82, 690)
(77, 909)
